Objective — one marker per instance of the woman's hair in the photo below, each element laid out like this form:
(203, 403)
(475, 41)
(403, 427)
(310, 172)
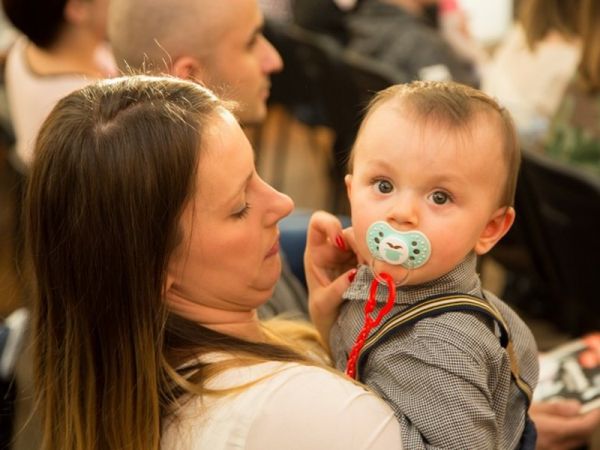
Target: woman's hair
(40, 21)
(539, 17)
(454, 105)
(589, 66)
(574, 19)
(114, 166)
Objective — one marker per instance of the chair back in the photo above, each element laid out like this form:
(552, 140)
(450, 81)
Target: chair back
(330, 82)
(558, 216)
(365, 77)
(297, 86)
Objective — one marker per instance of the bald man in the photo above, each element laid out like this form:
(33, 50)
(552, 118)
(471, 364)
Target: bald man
(220, 44)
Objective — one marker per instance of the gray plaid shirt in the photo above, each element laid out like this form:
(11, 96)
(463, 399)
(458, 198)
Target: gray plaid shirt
(446, 377)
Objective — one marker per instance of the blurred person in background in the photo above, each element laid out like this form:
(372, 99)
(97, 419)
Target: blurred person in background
(574, 134)
(324, 16)
(534, 63)
(63, 49)
(219, 44)
(406, 35)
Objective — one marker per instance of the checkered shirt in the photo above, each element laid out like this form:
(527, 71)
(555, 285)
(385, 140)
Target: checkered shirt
(446, 377)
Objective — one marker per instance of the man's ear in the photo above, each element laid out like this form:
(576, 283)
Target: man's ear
(348, 181)
(498, 225)
(187, 68)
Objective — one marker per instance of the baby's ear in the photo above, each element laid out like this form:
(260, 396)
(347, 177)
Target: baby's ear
(498, 225)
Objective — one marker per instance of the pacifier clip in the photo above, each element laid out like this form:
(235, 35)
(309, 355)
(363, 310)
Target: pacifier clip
(371, 322)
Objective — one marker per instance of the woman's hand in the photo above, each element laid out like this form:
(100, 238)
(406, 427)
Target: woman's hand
(561, 427)
(329, 263)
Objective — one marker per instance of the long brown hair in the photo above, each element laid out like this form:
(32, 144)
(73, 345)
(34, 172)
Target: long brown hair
(540, 17)
(114, 166)
(589, 66)
(573, 19)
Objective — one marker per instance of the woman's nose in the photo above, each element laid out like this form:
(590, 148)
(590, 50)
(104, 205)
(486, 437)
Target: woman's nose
(278, 206)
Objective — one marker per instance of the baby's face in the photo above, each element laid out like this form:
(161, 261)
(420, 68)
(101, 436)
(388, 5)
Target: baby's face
(428, 177)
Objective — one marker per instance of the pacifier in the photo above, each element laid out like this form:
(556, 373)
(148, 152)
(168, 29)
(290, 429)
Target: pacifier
(409, 249)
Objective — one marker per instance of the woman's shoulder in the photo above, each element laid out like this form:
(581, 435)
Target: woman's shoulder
(284, 401)
(283, 384)
(338, 413)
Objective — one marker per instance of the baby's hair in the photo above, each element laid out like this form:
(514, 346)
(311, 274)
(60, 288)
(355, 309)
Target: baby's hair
(453, 105)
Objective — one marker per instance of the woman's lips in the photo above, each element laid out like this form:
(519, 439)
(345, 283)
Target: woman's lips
(274, 250)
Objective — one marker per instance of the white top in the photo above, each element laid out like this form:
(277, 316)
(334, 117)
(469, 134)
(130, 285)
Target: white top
(31, 97)
(293, 407)
(531, 83)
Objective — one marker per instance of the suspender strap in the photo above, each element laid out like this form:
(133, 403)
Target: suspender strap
(440, 305)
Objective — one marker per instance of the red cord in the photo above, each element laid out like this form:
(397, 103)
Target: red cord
(370, 323)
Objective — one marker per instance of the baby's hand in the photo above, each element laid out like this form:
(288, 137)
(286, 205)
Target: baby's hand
(329, 263)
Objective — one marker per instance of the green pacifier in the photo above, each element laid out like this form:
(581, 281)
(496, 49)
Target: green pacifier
(409, 249)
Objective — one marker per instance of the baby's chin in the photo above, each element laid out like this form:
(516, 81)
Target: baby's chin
(403, 276)
(399, 274)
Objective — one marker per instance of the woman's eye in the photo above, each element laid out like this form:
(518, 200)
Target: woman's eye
(384, 186)
(242, 212)
(440, 198)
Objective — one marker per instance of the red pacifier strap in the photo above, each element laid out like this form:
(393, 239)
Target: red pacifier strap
(371, 323)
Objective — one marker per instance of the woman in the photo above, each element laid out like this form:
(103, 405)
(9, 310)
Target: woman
(63, 48)
(532, 66)
(574, 135)
(153, 242)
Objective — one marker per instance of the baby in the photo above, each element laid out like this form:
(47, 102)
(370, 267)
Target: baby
(432, 181)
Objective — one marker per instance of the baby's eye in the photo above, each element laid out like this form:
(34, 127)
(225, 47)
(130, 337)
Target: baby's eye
(440, 197)
(384, 186)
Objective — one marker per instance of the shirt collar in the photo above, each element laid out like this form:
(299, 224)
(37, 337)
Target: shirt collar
(462, 279)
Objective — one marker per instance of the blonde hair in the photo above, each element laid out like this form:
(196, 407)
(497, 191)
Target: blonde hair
(455, 105)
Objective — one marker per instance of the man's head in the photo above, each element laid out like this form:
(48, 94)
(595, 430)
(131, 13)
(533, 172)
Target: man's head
(218, 43)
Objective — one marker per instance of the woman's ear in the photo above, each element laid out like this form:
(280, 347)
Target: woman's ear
(498, 225)
(187, 68)
(169, 282)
